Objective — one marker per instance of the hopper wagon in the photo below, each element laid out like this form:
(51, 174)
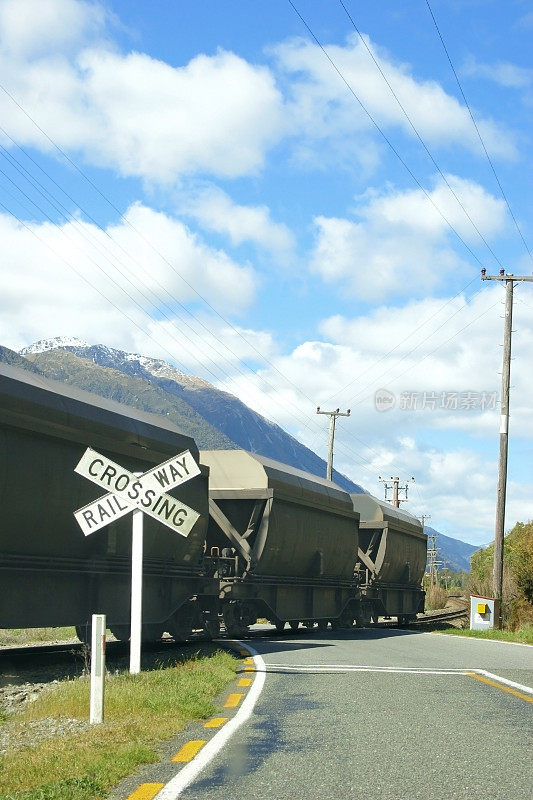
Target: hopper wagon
(284, 543)
(52, 575)
(392, 560)
(271, 541)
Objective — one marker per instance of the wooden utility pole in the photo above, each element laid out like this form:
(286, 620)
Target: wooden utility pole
(396, 489)
(333, 417)
(499, 530)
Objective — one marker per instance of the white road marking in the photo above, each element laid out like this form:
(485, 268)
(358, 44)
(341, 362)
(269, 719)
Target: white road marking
(519, 686)
(186, 775)
(340, 668)
(474, 639)
(343, 668)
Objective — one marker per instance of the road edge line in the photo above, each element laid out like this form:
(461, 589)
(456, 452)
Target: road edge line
(520, 686)
(185, 776)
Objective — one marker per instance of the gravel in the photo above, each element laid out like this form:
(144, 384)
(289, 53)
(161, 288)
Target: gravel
(22, 685)
(15, 733)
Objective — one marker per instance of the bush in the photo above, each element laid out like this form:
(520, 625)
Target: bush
(517, 599)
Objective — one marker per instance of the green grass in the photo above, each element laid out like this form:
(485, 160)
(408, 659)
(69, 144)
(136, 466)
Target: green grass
(523, 636)
(25, 636)
(140, 711)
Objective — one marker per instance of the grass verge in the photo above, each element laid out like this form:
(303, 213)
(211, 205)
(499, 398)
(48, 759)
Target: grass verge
(523, 636)
(140, 711)
(25, 636)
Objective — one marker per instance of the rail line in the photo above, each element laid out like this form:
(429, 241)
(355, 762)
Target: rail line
(68, 650)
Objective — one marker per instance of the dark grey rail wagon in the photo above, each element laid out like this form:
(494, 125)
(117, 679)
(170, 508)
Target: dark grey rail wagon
(51, 573)
(283, 542)
(392, 560)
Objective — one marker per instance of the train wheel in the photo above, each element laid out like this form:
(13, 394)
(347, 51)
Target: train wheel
(280, 626)
(346, 620)
(322, 625)
(233, 621)
(179, 630)
(120, 632)
(83, 632)
(152, 631)
(364, 619)
(309, 624)
(212, 628)
(294, 624)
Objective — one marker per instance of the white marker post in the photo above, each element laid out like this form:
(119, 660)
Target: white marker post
(96, 713)
(136, 592)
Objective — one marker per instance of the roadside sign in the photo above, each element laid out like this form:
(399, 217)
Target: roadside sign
(140, 493)
(145, 492)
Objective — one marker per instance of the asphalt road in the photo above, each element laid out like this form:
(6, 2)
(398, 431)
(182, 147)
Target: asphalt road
(408, 725)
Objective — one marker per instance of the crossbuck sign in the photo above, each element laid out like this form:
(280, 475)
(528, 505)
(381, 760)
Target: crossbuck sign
(145, 492)
(141, 494)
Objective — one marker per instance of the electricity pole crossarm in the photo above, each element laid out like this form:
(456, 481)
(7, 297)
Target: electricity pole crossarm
(333, 417)
(396, 489)
(510, 281)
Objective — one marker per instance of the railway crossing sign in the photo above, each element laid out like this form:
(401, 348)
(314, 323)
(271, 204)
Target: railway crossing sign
(140, 493)
(145, 492)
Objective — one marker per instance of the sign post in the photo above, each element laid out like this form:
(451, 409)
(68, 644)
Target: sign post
(140, 493)
(136, 592)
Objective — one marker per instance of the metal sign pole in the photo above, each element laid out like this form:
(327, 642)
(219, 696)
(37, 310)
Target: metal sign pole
(136, 592)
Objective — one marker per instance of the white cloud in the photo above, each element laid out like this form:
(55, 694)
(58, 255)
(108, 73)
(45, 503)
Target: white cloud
(400, 244)
(216, 211)
(217, 114)
(210, 347)
(324, 107)
(30, 30)
(502, 72)
(56, 278)
(451, 346)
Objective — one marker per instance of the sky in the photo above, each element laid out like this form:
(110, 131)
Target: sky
(292, 199)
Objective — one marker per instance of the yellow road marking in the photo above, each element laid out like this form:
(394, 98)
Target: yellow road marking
(146, 791)
(249, 661)
(249, 669)
(188, 751)
(501, 686)
(233, 701)
(216, 722)
(245, 682)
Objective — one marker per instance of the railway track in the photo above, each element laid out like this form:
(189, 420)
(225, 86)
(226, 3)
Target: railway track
(441, 616)
(75, 651)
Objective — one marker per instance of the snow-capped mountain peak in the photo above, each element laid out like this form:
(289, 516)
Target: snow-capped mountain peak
(43, 345)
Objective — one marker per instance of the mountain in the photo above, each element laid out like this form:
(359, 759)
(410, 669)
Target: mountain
(241, 427)
(66, 367)
(215, 419)
(11, 357)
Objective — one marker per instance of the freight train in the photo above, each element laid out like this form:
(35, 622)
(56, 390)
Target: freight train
(271, 541)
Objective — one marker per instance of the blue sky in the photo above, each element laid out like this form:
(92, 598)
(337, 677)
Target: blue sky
(297, 214)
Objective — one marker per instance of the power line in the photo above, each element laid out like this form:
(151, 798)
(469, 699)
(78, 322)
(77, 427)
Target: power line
(267, 361)
(383, 134)
(128, 222)
(402, 341)
(478, 131)
(417, 134)
(59, 207)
